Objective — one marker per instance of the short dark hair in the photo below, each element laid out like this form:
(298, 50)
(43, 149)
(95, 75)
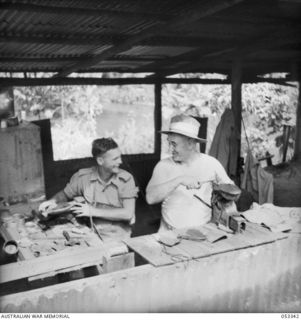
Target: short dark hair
(102, 145)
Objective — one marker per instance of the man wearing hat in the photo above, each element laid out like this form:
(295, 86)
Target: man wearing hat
(183, 182)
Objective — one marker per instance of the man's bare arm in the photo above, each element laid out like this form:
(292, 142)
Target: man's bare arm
(126, 213)
(156, 193)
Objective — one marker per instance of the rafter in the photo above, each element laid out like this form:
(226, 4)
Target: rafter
(200, 11)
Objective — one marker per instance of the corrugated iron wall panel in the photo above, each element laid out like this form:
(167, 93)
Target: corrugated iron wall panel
(260, 279)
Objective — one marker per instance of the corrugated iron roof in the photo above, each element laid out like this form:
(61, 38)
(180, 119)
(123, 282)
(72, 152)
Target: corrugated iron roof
(175, 35)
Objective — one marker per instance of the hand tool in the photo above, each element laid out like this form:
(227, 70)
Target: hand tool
(70, 242)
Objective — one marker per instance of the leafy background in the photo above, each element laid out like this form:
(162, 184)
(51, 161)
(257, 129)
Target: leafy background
(80, 114)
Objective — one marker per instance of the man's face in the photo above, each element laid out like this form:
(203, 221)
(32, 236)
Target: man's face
(179, 147)
(111, 160)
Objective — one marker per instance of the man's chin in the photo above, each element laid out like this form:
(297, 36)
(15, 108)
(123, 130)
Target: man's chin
(175, 158)
(115, 170)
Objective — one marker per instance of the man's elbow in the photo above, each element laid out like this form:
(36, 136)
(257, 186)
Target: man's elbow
(150, 198)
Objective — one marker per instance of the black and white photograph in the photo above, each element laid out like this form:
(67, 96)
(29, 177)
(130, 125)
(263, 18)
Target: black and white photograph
(150, 158)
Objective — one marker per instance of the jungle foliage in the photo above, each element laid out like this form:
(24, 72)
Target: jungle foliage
(76, 113)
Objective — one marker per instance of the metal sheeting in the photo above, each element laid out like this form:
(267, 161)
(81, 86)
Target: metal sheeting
(266, 278)
(105, 29)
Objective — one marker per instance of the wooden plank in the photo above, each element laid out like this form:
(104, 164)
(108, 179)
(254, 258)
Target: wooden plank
(104, 81)
(239, 241)
(220, 246)
(194, 248)
(55, 262)
(149, 249)
(212, 233)
(121, 262)
(264, 233)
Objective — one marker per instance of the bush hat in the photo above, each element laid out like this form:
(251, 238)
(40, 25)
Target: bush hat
(186, 126)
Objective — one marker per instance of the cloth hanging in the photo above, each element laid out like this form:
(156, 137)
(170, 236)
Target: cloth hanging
(257, 181)
(224, 145)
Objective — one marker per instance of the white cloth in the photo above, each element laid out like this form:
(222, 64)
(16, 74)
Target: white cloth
(181, 209)
(274, 217)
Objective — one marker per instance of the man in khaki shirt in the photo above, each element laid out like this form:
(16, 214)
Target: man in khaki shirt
(109, 192)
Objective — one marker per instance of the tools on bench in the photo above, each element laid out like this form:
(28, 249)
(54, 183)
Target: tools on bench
(70, 242)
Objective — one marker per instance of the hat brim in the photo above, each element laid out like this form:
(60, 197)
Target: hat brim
(184, 134)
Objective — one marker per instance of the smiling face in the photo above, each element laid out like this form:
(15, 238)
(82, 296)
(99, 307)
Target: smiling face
(180, 147)
(110, 161)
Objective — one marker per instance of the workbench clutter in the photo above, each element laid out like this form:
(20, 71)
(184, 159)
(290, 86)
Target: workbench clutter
(179, 245)
(53, 250)
(35, 237)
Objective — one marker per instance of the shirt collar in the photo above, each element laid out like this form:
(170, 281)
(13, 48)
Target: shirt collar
(121, 175)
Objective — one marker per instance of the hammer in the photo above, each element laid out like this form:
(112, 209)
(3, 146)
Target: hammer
(69, 242)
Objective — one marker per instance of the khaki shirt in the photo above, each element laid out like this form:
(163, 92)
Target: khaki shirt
(88, 184)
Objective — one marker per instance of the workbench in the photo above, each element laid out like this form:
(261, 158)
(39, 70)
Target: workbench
(44, 252)
(253, 271)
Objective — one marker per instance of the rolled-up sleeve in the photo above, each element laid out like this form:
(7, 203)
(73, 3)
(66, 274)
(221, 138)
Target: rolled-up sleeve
(129, 189)
(74, 187)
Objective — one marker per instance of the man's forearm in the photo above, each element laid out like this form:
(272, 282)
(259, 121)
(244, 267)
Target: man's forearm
(60, 197)
(113, 214)
(157, 193)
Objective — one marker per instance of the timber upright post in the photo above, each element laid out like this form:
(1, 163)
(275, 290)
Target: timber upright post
(236, 75)
(297, 151)
(158, 117)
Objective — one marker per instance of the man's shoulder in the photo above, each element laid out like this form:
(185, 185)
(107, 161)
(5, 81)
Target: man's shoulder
(166, 162)
(124, 175)
(85, 171)
(207, 157)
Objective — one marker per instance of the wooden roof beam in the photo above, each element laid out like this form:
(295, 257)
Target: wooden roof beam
(101, 81)
(8, 82)
(200, 11)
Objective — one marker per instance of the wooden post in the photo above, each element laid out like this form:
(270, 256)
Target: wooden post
(158, 117)
(297, 151)
(236, 75)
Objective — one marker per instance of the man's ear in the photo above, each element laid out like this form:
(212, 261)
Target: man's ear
(99, 161)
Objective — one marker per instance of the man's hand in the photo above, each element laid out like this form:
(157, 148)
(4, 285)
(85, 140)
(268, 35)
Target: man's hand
(46, 206)
(191, 182)
(81, 209)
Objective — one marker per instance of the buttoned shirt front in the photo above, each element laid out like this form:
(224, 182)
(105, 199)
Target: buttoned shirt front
(100, 194)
